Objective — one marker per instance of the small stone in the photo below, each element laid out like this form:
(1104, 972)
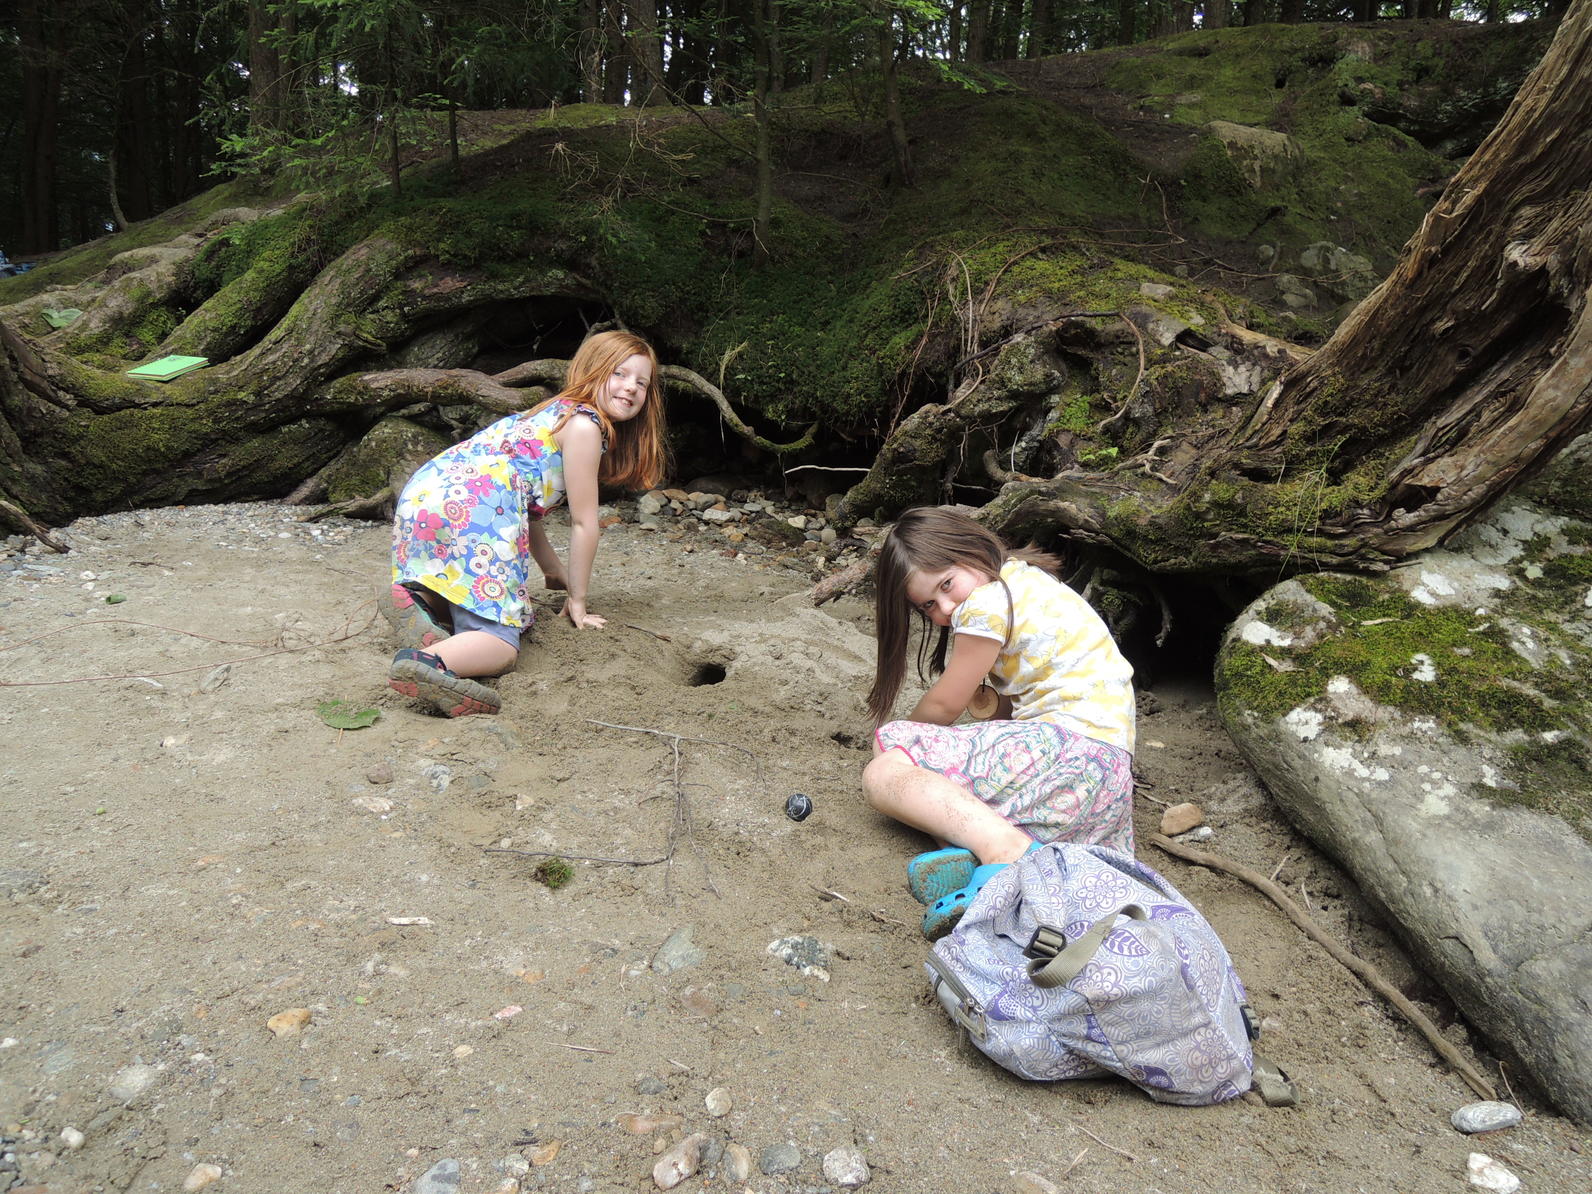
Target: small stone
(201, 1176)
(1156, 290)
(1485, 1117)
(547, 1154)
(737, 1163)
(131, 1081)
(846, 1167)
(780, 1158)
(679, 1163)
(1180, 818)
(828, 535)
(718, 1102)
(677, 952)
(290, 1022)
(72, 1138)
(441, 1178)
(374, 804)
(381, 773)
(1029, 1182)
(799, 521)
(1490, 1175)
(217, 677)
(1200, 833)
(799, 806)
(648, 1085)
(808, 954)
(646, 1125)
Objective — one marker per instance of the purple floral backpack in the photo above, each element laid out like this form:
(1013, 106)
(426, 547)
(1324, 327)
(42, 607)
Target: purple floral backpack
(1077, 961)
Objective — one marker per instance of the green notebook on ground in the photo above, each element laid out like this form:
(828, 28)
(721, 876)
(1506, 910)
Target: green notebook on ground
(168, 367)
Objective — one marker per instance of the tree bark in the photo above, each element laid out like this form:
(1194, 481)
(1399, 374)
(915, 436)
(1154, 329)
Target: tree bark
(1470, 366)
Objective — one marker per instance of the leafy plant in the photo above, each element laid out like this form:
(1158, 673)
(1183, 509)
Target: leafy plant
(343, 715)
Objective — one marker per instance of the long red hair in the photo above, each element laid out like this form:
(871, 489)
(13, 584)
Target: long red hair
(638, 449)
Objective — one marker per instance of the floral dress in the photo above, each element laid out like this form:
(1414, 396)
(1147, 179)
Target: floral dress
(462, 527)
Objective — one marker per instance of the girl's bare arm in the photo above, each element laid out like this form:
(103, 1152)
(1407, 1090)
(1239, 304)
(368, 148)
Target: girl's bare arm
(580, 440)
(972, 656)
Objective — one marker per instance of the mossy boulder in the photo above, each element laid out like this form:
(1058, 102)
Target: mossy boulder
(1428, 727)
(1263, 157)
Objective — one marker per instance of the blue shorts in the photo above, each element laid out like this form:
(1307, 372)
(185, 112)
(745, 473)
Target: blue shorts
(464, 620)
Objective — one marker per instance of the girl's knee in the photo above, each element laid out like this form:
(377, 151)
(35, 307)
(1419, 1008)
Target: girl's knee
(881, 772)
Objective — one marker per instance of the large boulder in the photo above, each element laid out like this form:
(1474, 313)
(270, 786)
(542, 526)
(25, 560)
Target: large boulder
(1429, 728)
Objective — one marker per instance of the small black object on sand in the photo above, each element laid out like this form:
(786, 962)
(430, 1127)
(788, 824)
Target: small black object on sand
(798, 807)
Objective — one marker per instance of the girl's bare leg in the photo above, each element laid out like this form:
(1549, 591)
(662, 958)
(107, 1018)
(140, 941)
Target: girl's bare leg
(476, 653)
(926, 800)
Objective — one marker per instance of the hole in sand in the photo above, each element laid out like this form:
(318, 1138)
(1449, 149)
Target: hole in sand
(706, 673)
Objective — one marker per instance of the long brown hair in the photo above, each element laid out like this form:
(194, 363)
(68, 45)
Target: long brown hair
(928, 539)
(638, 449)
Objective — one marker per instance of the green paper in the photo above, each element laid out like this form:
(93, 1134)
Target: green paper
(167, 368)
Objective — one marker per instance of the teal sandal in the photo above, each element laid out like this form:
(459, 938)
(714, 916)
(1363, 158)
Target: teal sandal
(939, 872)
(945, 912)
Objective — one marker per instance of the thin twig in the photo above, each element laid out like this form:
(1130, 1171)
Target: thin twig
(1277, 870)
(1367, 973)
(1103, 1144)
(828, 468)
(582, 1048)
(1110, 425)
(1065, 1172)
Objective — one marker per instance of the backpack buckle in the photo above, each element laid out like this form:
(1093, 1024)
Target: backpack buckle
(1045, 944)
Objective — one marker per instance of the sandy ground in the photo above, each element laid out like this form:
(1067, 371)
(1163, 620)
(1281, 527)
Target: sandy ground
(188, 851)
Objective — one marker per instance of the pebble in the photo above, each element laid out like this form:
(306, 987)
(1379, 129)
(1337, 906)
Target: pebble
(679, 1163)
(1200, 833)
(808, 954)
(1029, 1182)
(1180, 818)
(441, 1178)
(1490, 1175)
(1485, 1117)
(677, 952)
(846, 1167)
(799, 806)
(72, 1138)
(737, 1162)
(647, 1084)
(718, 1102)
(290, 1022)
(381, 773)
(645, 1125)
(201, 1176)
(780, 1158)
(131, 1081)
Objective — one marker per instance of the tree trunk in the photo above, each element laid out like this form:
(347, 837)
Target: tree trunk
(593, 40)
(40, 29)
(1214, 14)
(900, 151)
(646, 52)
(1469, 367)
(977, 30)
(762, 72)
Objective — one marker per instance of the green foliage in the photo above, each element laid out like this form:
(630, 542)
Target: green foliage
(346, 715)
(553, 872)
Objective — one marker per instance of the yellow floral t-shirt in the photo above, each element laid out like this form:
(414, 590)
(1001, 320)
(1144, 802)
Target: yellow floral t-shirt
(1059, 662)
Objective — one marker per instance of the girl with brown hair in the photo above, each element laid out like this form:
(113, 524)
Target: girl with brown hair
(1055, 763)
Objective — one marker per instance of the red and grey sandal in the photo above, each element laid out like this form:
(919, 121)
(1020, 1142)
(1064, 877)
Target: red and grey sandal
(422, 676)
(410, 618)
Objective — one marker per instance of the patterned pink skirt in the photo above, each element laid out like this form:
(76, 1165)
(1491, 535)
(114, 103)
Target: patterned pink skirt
(1053, 783)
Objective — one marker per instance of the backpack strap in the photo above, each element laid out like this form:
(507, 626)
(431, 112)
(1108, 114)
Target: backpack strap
(1055, 961)
(957, 1000)
(1274, 1087)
